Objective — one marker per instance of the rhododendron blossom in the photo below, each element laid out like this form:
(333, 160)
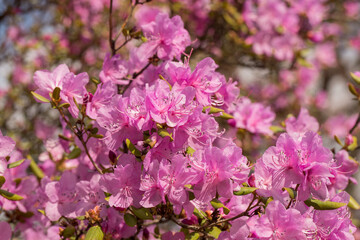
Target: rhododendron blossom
(180, 120)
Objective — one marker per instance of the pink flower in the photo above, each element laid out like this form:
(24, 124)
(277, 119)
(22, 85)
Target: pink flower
(5, 230)
(254, 117)
(297, 127)
(114, 70)
(173, 176)
(170, 107)
(278, 223)
(63, 197)
(171, 236)
(124, 183)
(166, 36)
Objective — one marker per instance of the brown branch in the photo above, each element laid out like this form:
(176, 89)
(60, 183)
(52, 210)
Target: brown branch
(355, 125)
(111, 41)
(135, 75)
(80, 137)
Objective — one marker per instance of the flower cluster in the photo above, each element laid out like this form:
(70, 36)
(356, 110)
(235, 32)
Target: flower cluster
(153, 140)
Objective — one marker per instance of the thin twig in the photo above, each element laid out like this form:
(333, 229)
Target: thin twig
(111, 41)
(135, 75)
(356, 124)
(80, 137)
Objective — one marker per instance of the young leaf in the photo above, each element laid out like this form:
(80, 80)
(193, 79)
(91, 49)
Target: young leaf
(15, 164)
(132, 148)
(35, 168)
(10, 196)
(76, 152)
(212, 109)
(245, 191)
(142, 213)
(355, 77)
(68, 231)
(65, 105)
(291, 192)
(215, 232)
(216, 203)
(226, 116)
(164, 133)
(2, 181)
(323, 205)
(56, 94)
(353, 204)
(130, 219)
(94, 233)
(39, 97)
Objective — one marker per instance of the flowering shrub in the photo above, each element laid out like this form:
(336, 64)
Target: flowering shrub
(159, 144)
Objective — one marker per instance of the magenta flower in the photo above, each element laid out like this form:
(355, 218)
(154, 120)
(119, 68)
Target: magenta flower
(151, 187)
(334, 224)
(101, 98)
(166, 36)
(278, 223)
(63, 197)
(173, 176)
(297, 127)
(47, 81)
(123, 184)
(114, 70)
(254, 117)
(220, 169)
(91, 193)
(170, 107)
(5, 230)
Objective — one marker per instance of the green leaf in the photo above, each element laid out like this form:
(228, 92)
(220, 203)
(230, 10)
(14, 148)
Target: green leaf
(15, 164)
(81, 217)
(68, 231)
(2, 181)
(10, 196)
(190, 150)
(132, 148)
(98, 136)
(245, 191)
(353, 204)
(226, 210)
(304, 63)
(65, 105)
(142, 213)
(95, 80)
(94, 233)
(164, 133)
(77, 105)
(226, 116)
(323, 205)
(56, 94)
(292, 192)
(194, 236)
(39, 97)
(216, 203)
(130, 219)
(76, 152)
(355, 78)
(35, 168)
(277, 129)
(354, 145)
(353, 90)
(162, 78)
(212, 109)
(42, 211)
(215, 232)
(338, 140)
